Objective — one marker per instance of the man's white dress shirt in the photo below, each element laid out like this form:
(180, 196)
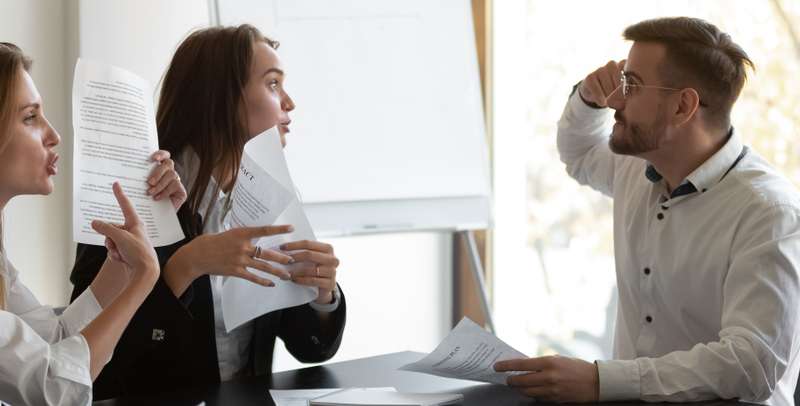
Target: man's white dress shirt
(707, 275)
(44, 360)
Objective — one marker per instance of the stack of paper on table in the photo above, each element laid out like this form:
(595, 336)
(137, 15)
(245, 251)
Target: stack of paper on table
(359, 396)
(468, 352)
(300, 397)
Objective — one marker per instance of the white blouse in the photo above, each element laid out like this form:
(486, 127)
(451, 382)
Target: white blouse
(44, 360)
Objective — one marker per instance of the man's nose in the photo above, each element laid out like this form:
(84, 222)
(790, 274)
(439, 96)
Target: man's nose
(616, 100)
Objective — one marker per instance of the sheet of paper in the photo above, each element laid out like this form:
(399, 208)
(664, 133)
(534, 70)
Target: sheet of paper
(468, 352)
(264, 194)
(301, 397)
(115, 134)
(360, 396)
(297, 397)
(258, 197)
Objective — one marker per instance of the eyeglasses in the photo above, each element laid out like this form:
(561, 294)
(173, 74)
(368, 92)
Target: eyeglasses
(627, 87)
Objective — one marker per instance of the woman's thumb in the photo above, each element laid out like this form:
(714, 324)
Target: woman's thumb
(108, 230)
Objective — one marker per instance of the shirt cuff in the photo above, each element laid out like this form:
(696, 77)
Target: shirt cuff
(330, 307)
(576, 89)
(581, 109)
(81, 312)
(70, 358)
(619, 380)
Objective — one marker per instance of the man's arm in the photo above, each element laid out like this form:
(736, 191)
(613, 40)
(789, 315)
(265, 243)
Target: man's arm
(584, 129)
(759, 330)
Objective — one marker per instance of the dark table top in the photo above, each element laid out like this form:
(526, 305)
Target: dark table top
(379, 371)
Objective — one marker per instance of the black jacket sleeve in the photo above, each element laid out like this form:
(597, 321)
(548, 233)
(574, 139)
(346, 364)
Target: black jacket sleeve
(307, 337)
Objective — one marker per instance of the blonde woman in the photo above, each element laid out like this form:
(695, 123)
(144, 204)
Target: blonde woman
(46, 358)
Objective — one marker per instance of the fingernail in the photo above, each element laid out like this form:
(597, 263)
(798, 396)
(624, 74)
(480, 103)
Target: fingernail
(291, 260)
(290, 228)
(286, 277)
(283, 246)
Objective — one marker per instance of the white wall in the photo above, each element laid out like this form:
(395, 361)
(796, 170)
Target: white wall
(37, 228)
(139, 35)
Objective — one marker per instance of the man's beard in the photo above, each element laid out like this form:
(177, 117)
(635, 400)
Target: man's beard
(636, 139)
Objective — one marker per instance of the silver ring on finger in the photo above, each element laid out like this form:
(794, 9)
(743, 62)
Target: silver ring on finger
(257, 253)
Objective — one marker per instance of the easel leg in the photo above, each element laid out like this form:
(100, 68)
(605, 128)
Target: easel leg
(477, 272)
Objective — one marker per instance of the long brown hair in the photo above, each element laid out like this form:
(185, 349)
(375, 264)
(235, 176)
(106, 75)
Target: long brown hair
(200, 104)
(11, 61)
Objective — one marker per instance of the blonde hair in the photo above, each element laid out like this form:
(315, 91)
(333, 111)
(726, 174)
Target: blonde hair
(11, 61)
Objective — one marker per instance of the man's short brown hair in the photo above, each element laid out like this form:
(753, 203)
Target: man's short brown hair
(700, 56)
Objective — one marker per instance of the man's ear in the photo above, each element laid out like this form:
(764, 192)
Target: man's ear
(687, 106)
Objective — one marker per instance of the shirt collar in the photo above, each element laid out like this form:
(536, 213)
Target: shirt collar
(711, 171)
(714, 169)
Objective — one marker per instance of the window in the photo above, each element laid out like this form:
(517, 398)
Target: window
(554, 280)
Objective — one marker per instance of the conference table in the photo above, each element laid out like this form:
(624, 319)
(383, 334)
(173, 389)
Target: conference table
(378, 371)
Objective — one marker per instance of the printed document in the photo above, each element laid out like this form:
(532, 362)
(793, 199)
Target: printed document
(468, 352)
(115, 134)
(264, 194)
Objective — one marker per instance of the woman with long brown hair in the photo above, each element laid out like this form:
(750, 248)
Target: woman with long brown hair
(224, 86)
(47, 358)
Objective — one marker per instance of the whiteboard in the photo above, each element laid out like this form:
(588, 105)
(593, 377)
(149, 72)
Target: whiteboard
(388, 133)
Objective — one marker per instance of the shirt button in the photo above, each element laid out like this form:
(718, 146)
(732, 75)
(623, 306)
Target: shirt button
(647, 271)
(315, 340)
(649, 319)
(660, 216)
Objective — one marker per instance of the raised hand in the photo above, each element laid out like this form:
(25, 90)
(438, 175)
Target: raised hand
(599, 85)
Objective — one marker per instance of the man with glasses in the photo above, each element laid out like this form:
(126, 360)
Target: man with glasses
(706, 232)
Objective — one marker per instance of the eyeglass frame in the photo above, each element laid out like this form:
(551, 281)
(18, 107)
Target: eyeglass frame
(625, 86)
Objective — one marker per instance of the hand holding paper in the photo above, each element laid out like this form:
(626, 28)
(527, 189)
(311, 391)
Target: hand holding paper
(115, 135)
(264, 194)
(468, 352)
(554, 378)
